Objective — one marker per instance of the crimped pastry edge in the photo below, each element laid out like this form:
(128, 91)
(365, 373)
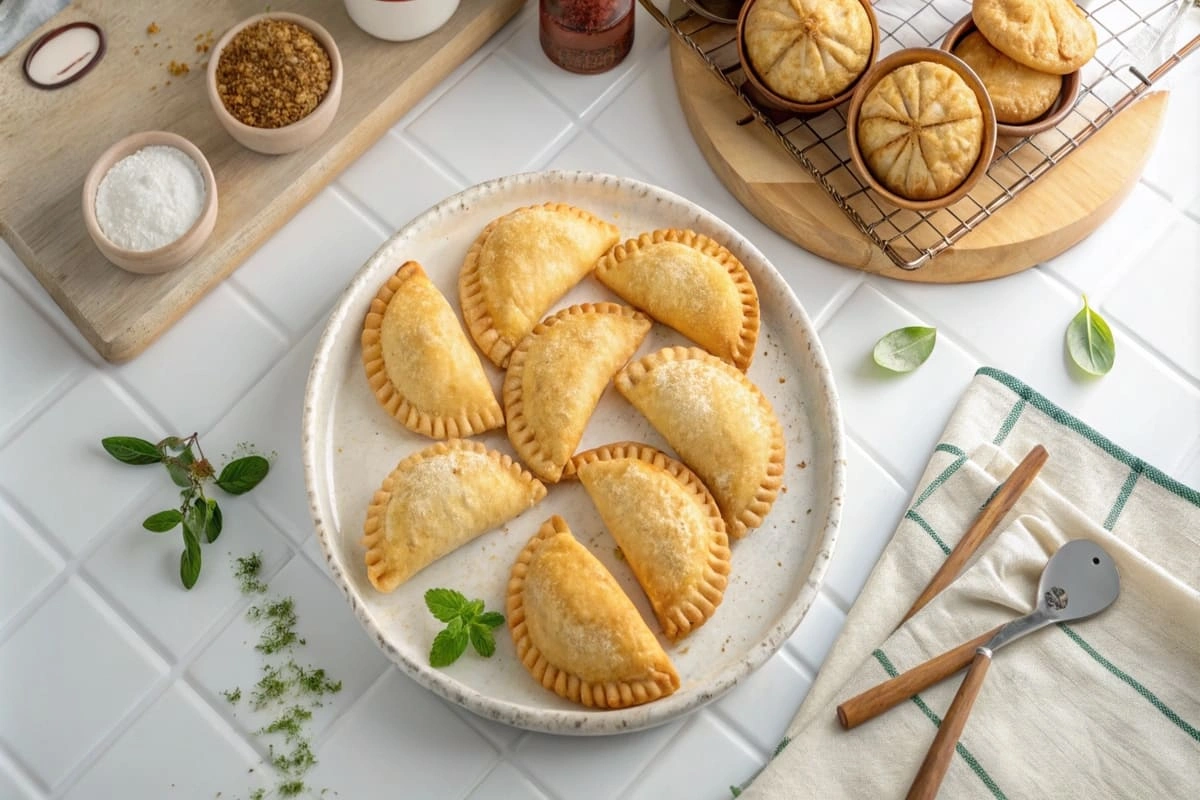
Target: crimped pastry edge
(741, 352)
(756, 510)
(467, 422)
(609, 694)
(521, 433)
(386, 577)
(697, 603)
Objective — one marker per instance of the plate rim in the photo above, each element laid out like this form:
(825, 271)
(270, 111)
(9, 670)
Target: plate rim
(581, 721)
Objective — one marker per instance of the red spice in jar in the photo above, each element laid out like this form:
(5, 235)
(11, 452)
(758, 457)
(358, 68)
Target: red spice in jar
(586, 36)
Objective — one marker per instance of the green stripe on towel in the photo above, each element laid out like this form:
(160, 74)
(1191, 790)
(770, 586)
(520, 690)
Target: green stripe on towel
(1006, 427)
(1123, 497)
(1063, 418)
(971, 761)
(935, 484)
(1127, 679)
(917, 518)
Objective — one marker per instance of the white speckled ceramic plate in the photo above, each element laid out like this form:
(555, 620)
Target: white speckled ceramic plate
(351, 443)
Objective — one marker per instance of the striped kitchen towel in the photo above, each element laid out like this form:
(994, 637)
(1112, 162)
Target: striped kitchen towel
(1108, 707)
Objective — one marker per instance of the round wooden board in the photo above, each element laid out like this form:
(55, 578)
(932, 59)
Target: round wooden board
(1062, 206)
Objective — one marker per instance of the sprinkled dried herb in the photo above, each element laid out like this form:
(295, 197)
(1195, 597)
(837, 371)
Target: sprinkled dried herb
(284, 686)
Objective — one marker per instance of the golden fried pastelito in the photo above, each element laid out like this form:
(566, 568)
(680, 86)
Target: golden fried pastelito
(557, 375)
(688, 282)
(420, 364)
(668, 527)
(576, 631)
(520, 265)
(437, 500)
(720, 424)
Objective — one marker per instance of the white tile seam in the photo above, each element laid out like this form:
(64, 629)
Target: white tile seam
(792, 661)
(57, 320)
(152, 692)
(837, 301)
(1173, 368)
(469, 65)
(70, 564)
(11, 764)
(176, 669)
(16, 426)
(368, 215)
(502, 758)
(732, 734)
(257, 309)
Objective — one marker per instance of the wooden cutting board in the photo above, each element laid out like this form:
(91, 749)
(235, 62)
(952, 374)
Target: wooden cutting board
(49, 139)
(1057, 211)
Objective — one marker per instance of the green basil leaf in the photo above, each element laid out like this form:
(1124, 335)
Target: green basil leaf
(448, 646)
(189, 562)
(473, 610)
(482, 640)
(491, 619)
(189, 567)
(445, 604)
(177, 467)
(215, 521)
(1090, 341)
(905, 349)
(163, 521)
(242, 475)
(195, 519)
(131, 450)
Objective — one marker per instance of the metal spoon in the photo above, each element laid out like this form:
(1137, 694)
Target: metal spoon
(1079, 580)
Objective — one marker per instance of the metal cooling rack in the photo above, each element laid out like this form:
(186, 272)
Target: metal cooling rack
(1139, 41)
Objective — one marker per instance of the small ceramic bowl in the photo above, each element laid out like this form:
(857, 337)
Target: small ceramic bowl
(169, 256)
(400, 20)
(300, 133)
(1057, 112)
(764, 96)
(899, 59)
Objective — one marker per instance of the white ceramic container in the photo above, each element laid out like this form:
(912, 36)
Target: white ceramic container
(400, 20)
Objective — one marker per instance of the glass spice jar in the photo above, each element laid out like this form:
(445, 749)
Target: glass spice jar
(586, 36)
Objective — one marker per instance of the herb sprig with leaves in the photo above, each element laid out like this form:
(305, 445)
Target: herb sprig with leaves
(198, 514)
(465, 621)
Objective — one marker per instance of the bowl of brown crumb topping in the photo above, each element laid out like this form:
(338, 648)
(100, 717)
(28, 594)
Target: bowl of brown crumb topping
(275, 81)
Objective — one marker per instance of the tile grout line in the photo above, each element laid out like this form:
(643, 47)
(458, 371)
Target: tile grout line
(73, 378)
(12, 766)
(176, 669)
(71, 563)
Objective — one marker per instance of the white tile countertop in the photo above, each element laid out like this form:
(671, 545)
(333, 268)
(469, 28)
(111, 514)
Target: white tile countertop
(111, 676)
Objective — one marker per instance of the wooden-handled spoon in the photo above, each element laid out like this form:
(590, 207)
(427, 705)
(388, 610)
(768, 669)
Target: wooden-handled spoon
(1079, 580)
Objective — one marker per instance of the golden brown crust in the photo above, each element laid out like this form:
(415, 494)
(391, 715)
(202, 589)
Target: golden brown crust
(557, 374)
(720, 424)
(1019, 93)
(437, 500)
(434, 385)
(808, 50)
(520, 265)
(920, 130)
(1052, 36)
(691, 283)
(668, 527)
(575, 630)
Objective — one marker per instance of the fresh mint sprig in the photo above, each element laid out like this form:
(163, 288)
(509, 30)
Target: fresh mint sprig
(198, 514)
(466, 621)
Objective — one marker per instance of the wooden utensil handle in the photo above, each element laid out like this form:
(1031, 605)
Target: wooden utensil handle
(985, 522)
(882, 696)
(929, 778)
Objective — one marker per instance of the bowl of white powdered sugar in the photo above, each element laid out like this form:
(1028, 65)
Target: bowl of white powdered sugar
(150, 202)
